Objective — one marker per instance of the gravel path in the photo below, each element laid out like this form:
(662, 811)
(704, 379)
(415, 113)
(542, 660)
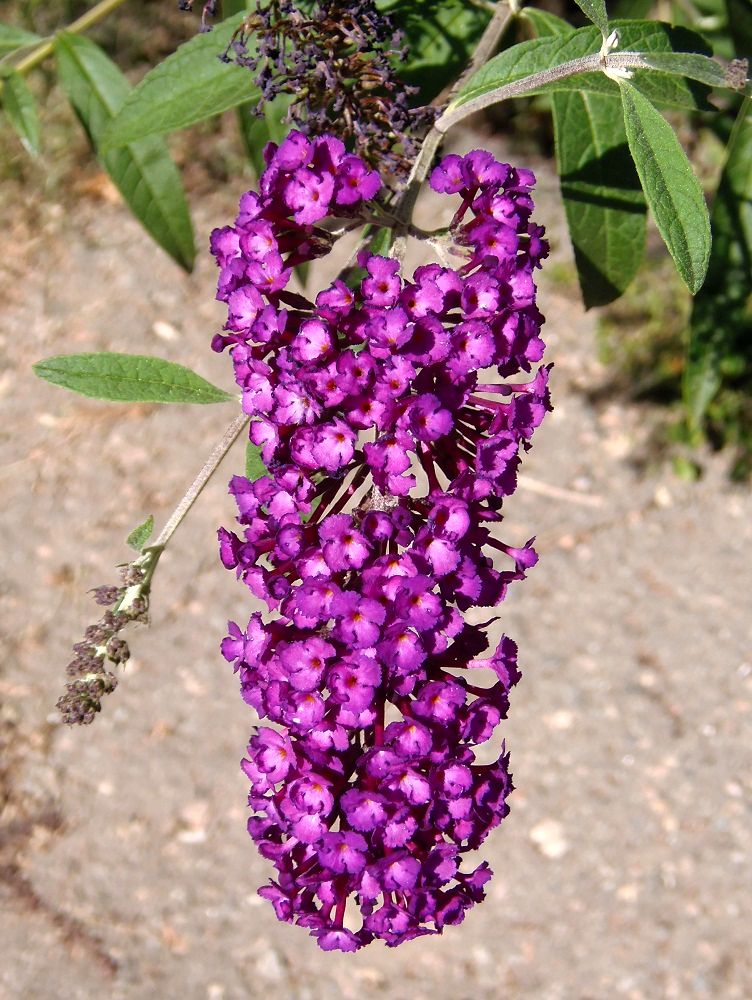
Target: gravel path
(623, 869)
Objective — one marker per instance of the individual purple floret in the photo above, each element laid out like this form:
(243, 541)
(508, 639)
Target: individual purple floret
(392, 417)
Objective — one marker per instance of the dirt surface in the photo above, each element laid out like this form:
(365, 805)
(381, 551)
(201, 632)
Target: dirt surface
(623, 869)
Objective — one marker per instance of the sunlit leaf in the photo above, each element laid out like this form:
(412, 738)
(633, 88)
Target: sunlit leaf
(143, 171)
(129, 377)
(671, 188)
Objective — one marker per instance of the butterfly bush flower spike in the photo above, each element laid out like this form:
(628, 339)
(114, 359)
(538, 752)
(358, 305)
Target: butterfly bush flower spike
(392, 417)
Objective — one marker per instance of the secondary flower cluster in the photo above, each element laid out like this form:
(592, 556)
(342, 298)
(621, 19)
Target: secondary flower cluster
(335, 59)
(102, 645)
(389, 452)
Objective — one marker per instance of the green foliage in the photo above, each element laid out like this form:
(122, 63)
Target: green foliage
(698, 67)
(189, 86)
(141, 535)
(21, 109)
(376, 239)
(142, 171)
(381, 241)
(671, 188)
(713, 371)
(545, 24)
(129, 378)
(603, 200)
(739, 26)
(641, 336)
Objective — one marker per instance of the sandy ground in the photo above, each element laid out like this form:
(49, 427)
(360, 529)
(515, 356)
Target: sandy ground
(623, 869)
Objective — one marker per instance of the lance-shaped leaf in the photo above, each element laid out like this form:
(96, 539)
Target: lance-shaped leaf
(190, 85)
(603, 200)
(721, 325)
(12, 38)
(141, 535)
(142, 171)
(671, 188)
(540, 54)
(596, 11)
(713, 72)
(131, 378)
(21, 109)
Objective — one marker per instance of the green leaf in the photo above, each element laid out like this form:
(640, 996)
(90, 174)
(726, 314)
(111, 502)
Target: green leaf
(141, 535)
(671, 188)
(539, 54)
(604, 204)
(12, 38)
(596, 11)
(21, 109)
(254, 466)
(129, 377)
(142, 171)
(721, 324)
(440, 38)
(190, 85)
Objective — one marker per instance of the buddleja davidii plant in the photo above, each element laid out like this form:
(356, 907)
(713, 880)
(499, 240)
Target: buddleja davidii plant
(367, 575)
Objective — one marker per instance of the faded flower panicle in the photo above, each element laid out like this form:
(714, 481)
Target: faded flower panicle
(90, 679)
(334, 62)
(366, 791)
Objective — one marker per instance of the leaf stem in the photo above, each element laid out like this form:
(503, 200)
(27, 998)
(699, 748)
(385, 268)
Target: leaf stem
(218, 453)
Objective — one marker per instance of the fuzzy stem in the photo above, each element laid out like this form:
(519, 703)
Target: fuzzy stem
(210, 466)
(598, 61)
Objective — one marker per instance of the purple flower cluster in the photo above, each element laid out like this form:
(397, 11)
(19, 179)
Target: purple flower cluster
(389, 450)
